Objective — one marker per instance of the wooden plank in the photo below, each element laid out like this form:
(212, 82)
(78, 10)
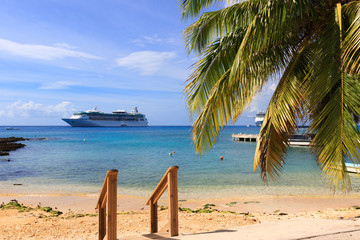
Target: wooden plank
(102, 223)
(112, 207)
(160, 192)
(160, 185)
(102, 193)
(104, 201)
(173, 204)
(104, 187)
(153, 218)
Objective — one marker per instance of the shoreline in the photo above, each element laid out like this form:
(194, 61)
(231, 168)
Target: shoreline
(256, 204)
(29, 186)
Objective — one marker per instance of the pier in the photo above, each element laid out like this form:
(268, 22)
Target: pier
(245, 137)
(299, 140)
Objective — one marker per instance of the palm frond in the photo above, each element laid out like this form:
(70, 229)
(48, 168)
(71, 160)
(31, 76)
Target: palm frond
(215, 61)
(216, 24)
(285, 108)
(191, 8)
(351, 54)
(333, 104)
(274, 24)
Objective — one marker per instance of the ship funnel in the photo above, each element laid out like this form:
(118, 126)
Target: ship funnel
(134, 110)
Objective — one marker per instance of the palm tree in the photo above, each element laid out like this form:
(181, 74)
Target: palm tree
(311, 46)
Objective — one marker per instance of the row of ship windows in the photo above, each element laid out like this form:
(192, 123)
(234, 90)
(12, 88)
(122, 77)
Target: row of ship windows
(116, 119)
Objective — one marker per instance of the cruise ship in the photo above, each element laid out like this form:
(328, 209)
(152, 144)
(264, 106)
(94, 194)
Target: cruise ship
(118, 118)
(259, 118)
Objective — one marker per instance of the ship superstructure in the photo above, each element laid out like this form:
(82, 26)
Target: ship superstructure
(118, 118)
(259, 118)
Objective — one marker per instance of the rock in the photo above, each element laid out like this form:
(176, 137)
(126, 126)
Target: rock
(12, 139)
(10, 144)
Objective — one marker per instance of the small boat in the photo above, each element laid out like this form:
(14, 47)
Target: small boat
(301, 140)
(352, 168)
(11, 128)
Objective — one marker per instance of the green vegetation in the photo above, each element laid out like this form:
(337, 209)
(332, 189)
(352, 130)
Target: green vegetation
(208, 205)
(231, 204)
(312, 47)
(207, 209)
(79, 215)
(162, 208)
(251, 202)
(201, 210)
(14, 204)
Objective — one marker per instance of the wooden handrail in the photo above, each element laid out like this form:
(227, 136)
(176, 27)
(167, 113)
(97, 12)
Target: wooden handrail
(169, 180)
(107, 205)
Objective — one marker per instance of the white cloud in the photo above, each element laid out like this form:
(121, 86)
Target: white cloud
(273, 87)
(32, 109)
(153, 40)
(42, 52)
(64, 45)
(146, 62)
(142, 41)
(58, 85)
(232, 2)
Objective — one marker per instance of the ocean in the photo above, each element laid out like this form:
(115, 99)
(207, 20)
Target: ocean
(75, 161)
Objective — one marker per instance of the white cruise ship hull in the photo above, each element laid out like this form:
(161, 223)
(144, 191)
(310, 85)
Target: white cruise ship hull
(258, 122)
(103, 123)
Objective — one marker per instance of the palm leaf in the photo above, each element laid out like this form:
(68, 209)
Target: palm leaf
(191, 8)
(286, 106)
(216, 24)
(333, 102)
(351, 53)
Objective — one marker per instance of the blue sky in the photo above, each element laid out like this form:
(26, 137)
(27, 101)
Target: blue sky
(61, 56)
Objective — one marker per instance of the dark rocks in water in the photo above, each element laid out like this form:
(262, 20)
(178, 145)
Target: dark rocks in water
(10, 144)
(35, 139)
(12, 139)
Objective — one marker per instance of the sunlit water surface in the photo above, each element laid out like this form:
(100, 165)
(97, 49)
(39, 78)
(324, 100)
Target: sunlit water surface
(65, 163)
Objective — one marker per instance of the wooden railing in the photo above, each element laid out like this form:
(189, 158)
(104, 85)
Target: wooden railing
(107, 214)
(169, 180)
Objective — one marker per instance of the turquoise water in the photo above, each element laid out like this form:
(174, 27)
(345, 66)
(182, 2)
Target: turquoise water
(64, 163)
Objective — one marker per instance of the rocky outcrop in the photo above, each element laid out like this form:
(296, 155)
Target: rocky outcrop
(10, 144)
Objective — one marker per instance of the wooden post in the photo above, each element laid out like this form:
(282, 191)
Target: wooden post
(173, 203)
(102, 222)
(153, 217)
(112, 205)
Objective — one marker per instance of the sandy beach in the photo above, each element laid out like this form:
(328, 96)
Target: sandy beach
(79, 219)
